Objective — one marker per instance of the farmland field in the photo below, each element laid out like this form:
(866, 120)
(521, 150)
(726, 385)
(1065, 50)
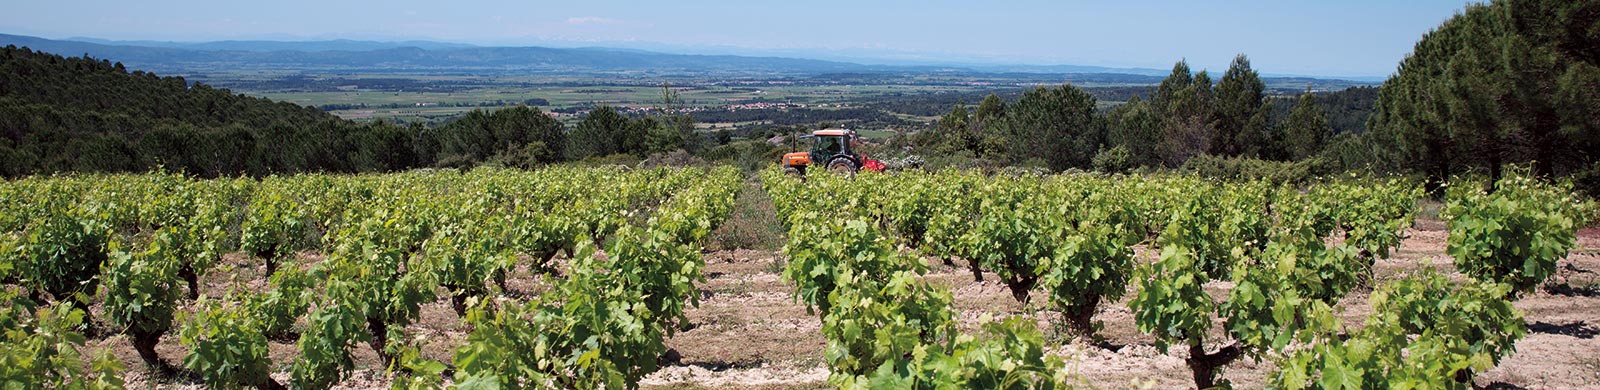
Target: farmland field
(429, 98)
(424, 278)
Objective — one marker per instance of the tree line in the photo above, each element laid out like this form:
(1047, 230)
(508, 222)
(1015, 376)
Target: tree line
(1187, 116)
(80, 114)
(1509, 82)
(1512, 82)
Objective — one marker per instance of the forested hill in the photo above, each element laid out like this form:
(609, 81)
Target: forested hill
(83, 114)
(103, 87)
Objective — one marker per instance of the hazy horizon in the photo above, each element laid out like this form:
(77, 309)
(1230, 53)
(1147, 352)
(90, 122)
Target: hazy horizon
(1362, 39)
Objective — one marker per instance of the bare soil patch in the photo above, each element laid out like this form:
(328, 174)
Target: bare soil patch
(749, 333)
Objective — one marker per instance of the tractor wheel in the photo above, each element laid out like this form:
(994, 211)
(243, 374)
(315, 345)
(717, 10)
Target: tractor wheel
(842, 166)
(794, 171)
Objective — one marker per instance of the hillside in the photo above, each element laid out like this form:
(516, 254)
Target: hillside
(84, 114)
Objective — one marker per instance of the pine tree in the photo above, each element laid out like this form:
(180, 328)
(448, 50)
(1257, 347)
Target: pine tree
(1306, 130)
(601, 133)
(1175, 82)
(1184, 104)
(1238, 117)
(1055, 126)
(1509, 82)
(991, 108)
(1136, 127)
(951, 134)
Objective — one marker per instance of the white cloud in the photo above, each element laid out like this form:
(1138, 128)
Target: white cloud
(579, 20)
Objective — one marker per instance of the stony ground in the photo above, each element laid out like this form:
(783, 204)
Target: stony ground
(749, 333)
(755, 335)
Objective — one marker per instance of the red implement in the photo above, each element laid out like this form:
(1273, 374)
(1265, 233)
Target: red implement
(872, 165)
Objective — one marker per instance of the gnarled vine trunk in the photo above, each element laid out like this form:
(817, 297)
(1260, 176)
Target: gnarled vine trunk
(1205, 365)
(145, 344)
(380, 339)
(1081, 317)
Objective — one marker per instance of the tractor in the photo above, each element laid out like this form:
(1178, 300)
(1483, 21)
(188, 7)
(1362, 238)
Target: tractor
(834, 149)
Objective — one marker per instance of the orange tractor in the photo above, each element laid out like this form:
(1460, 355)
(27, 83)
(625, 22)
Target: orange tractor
(834, 149)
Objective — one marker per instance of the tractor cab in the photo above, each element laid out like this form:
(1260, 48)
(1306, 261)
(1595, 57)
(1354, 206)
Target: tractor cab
(834, 149)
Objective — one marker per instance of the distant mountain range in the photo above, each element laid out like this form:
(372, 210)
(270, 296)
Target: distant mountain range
(440, 57)
(269, 46)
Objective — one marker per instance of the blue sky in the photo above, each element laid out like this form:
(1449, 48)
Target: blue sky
(1360, 38)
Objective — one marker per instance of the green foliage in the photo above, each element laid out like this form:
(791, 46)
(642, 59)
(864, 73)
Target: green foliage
(819, 249)
(1373, 214)
(1114, 160)
(277, 310)
(605, 324)
(1270, 243)
(508, 347)
(1306, 130)
(1240, 116)
(1005, 355)
(886, 328)
(1014, 232)
(956, 131)
(324, 347)
(873, 325)
(274, 227)
(1427, 332)
(390, 242)
(142, 290)
(42, 348)
(1500, 83)
(1090, 265)
(60, 117)
(1136, 128)
(61, 250)
(519, 136)
(1056, 125)
(1275, 301)
(367, 272)
(1184, 102)
(227, 346)
(1513, 235)
(606, 132)
(1247, 168)
(465, 254)
(1172, 303)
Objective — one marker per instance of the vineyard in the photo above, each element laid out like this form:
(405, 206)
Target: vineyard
(570, 277)
(348, 264)
(1064, 245)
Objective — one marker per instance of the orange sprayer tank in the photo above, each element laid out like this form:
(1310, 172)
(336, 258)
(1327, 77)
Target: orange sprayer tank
(797, 159)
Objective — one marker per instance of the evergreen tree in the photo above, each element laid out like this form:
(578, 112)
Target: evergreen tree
(675, 129)
(602, 132)
(1505, 82)
(1306, 130)
(990, 109)
(950, 134)
(1239, 115)
(1055, 126)
(1184, 104)
(1136, 128)
(1177, 81)
(983, 141)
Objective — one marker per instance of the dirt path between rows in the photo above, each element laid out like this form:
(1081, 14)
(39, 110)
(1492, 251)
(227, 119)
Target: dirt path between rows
(753, 334)
(749, 333)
